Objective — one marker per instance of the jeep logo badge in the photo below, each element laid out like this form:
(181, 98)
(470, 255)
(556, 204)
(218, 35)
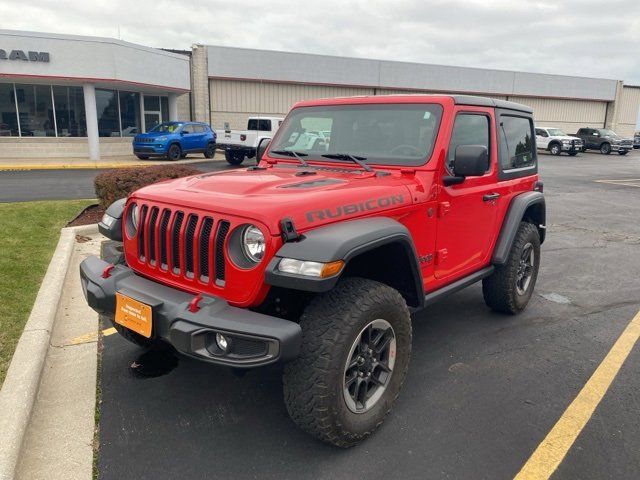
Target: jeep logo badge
(27, 57)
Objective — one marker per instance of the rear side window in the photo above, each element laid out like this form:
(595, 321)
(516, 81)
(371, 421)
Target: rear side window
(188, 129)
(198, 129)
(519, 141)
(468, 129)
(261, 125)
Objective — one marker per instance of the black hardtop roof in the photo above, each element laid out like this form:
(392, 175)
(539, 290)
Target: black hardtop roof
(489, 102)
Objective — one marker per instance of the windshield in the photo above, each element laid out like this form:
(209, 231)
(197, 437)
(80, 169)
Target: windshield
(166, 127)
(556, 132)
(385, 134)
(604, 132)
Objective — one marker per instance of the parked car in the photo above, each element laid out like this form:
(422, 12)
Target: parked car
(636, 140)
(604, 140)
(241, 144)
(174, 140)
(317, 257)
(556, 141)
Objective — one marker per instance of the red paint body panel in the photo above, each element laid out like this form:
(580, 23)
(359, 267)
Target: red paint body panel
(453, 229)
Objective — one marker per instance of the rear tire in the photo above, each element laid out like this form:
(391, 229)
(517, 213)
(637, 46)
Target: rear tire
(174, 152)
(623, 152)
(210, 151)
(359, 327)
(605, 149)
(573, 154)
(511, 285)
(234, 158)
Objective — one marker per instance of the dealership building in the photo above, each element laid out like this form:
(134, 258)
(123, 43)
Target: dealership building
(73, 96)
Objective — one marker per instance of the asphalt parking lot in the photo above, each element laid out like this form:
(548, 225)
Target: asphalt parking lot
(483, 389)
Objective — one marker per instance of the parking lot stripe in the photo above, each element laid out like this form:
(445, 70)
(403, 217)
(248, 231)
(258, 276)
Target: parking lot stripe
(550, 453)
(91, 337)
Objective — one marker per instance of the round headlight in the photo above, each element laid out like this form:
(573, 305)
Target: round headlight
(253, 243)
(133, 217)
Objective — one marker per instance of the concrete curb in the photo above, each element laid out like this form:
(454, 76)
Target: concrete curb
(98, 165)
(21, 384)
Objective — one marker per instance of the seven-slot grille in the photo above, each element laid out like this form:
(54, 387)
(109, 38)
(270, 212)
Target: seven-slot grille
(187, 244)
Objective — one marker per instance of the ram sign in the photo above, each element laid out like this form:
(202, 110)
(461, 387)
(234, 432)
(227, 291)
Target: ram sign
(27, 57)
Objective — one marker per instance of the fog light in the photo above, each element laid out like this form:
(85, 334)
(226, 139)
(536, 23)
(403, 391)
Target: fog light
(222, 342)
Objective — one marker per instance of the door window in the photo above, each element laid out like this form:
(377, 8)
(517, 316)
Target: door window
(188, 129)
(541, 132)
(259, 124)
(518, 138)
(468, 129)
(198, 129)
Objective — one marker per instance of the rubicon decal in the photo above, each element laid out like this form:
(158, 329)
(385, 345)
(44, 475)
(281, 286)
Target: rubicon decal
(351, 208)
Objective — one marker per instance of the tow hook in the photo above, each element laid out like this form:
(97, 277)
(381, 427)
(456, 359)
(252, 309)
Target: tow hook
(193, 304)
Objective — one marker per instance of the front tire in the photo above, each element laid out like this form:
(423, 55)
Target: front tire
(356, 345)
(174, 152)
(511, 285)
(555, 149)
(605, 149)
(234, 158)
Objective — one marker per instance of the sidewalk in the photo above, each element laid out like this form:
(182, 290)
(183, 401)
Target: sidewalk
(85, 163)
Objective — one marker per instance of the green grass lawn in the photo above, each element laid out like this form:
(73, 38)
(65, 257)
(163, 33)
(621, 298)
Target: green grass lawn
(29, 234)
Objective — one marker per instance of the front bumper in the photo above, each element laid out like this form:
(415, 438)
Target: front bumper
(256, 339)
(568, 147)
(150, 149)
(621, 148)
(234, 148)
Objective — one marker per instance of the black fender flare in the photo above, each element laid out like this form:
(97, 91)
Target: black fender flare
(113, 231)
(342, 241)
(516, 212)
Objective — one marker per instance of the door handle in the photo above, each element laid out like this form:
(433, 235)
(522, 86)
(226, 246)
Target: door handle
(490, 196)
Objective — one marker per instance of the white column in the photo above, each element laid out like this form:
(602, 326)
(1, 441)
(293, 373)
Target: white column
(173, 107)
(91, 115)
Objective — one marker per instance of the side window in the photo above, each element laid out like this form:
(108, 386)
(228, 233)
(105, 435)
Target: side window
(187, 129)
(518, 138)
(541, 132)
(198, 129)
(264, 125)
(468, 129)
(583, 131)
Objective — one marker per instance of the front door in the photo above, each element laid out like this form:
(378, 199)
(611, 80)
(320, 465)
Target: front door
(467, 212)
(542, 138)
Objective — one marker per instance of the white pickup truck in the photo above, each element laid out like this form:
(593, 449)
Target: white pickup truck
(241, 144)
(556, 141)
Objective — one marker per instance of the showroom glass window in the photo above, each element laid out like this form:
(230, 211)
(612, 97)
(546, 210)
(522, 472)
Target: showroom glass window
(8, 115)
(108, 113)
(70, 115)
(130, 113)
(35, 110)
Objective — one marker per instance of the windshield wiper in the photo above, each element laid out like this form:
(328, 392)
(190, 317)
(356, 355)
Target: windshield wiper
(291, 153)
(353, 158)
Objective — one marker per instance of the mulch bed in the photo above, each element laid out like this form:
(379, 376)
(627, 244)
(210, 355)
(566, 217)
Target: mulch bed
(91, 214)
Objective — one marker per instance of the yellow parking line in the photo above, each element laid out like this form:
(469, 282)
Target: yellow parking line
(91, 337)
(546, 458)
(625, 182)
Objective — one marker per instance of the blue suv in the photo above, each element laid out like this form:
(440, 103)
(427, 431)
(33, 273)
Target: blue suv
(174, 140)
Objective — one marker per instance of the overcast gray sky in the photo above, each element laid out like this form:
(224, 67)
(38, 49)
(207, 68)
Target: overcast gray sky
(589, 38)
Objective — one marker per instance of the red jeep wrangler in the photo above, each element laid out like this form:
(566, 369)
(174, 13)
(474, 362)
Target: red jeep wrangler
(361, 211)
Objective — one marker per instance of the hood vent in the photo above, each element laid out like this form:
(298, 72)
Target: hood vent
(314, 183)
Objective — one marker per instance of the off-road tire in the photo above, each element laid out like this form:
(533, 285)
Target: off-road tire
(210, 151)
(622, 152)
(234, 158)
(605, 148)
(143, 157)
(174, 152)
(499, 290)
(313, 383)
(555, 148)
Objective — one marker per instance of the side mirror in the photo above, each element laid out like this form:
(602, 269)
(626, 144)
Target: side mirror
(469, 161)
(263, 145)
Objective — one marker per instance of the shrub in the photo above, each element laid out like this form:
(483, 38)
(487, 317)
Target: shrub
(116, 184)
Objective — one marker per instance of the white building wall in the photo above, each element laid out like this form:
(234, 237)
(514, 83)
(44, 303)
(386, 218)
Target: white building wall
(628, 111)
(568, 115)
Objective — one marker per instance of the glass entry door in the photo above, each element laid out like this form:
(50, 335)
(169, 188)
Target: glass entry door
(151, 120)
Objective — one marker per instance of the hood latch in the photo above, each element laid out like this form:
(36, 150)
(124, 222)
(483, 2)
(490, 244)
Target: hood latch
(288, 230)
